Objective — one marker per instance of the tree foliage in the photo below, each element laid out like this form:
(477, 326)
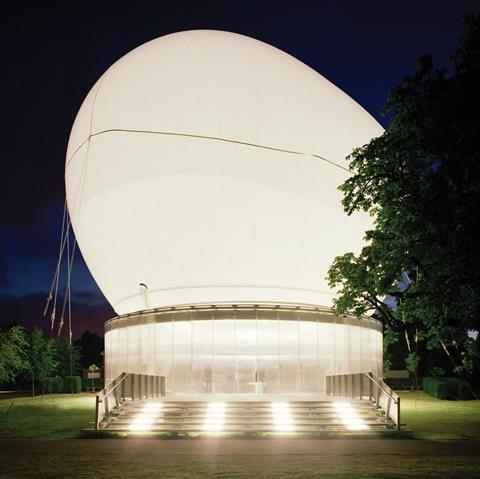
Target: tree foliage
(13, 353)
(32, 357)
(91, 345)
(41, 362)
(67, 357)
(420, 181)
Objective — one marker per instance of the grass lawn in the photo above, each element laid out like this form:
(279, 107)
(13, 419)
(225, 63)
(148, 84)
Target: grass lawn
(52, 416)
(58, 416)
(37, 440)
(436, 419)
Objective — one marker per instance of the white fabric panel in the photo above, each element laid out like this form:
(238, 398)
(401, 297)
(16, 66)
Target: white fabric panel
(200, 219)
(232, 356)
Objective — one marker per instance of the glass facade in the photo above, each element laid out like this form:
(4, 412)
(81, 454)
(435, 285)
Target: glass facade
(232, 351)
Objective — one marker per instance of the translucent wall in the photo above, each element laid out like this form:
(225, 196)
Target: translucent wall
(219, 356)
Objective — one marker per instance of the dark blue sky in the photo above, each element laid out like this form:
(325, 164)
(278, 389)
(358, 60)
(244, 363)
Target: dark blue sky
(53, 52)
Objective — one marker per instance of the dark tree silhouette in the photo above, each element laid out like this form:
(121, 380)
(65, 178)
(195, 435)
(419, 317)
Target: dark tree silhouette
(421, 182)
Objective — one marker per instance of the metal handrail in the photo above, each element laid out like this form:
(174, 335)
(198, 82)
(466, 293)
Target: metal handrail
(392, 394)
(357, 384)
(110, 388)
(133, 386)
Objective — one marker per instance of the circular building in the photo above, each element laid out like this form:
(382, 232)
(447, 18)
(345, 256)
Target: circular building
(201, 175)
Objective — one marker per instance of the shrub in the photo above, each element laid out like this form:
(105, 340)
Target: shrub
(72, 384)
(457, 389)
(435, 387)
(57, 385)
(48, 385)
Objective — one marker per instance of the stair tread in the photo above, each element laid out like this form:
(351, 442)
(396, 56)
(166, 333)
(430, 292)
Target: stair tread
(248, 416)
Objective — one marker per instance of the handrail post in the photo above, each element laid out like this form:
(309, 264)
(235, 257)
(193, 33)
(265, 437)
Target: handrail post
(115, 395)
(106, 408)
(398, 414)
(97, 411)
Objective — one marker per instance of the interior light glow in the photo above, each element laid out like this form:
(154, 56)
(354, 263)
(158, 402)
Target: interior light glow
(227, 337)
(244, 78)
(349, 416)
(144, 420)
(214, 417)
(282, 417)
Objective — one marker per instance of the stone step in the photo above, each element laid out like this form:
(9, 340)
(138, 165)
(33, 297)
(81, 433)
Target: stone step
(250, 430)
(246, 417)
(357, 402)
(126, 415)
(233, 407)
(233, 425)
(186, 428)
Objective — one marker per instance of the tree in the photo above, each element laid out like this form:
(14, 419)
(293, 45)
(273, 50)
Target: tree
(91, 345)
(67, 357)
(13, 353)
(420, 181)
(41, 361)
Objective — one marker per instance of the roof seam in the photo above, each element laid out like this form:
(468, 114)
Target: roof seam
(203, 137)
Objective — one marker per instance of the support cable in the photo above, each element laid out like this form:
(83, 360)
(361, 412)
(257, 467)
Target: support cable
(67, 293)
(60, 252)
(65, 296)
(64, 236)
(70, 346)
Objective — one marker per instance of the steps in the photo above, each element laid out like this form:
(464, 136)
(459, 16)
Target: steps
(247, 417)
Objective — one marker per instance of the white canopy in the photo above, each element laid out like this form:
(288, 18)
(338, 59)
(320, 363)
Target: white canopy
(191, 175)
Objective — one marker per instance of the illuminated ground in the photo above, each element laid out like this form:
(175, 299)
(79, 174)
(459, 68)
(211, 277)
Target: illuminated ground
(59, 418)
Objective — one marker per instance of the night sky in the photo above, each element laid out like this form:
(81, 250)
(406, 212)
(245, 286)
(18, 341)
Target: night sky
(53, 52)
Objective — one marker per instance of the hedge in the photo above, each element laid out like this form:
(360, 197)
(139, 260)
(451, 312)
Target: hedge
(57, 385)
(87, 383)
(62, 385)
(446, 388)
(72, 384)
(48, 385)
(399, 383)
(457, 389)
